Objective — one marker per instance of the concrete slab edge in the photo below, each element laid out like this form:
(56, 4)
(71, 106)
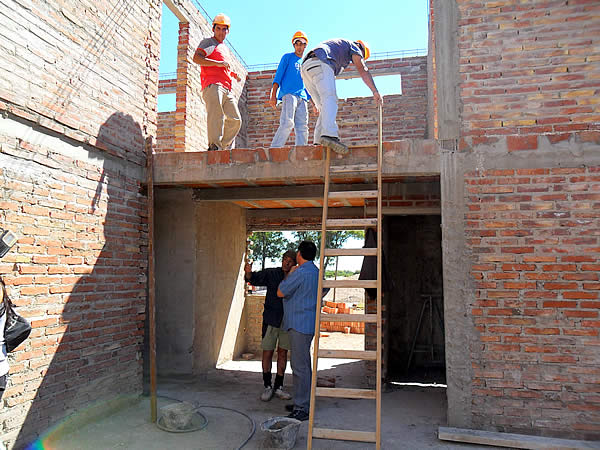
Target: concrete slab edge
(512, 440)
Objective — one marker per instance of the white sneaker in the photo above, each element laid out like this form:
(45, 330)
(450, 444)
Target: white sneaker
(280, 393)
(267, 394)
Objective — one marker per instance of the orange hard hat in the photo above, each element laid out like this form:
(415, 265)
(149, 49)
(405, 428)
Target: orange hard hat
(365, 46)
(222, 19)
(299, 35)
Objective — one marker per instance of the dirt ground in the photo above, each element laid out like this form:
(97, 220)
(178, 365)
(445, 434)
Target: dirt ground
(228, 398)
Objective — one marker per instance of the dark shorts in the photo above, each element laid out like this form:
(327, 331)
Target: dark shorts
(3, 380)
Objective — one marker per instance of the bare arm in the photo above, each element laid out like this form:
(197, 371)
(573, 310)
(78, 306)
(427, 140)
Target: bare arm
(362, 70)
(201, 59)
(273, 97)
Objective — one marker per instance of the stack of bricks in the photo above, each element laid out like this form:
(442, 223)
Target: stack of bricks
(253, 309)
(345, 327)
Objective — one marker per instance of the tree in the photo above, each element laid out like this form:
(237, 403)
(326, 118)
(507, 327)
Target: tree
(334, 239)
(267, 244)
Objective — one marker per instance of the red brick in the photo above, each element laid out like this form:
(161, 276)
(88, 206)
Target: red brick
(515, 143)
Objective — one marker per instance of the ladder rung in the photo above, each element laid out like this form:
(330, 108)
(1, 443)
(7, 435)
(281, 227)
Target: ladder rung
(370, 355)
(353, 194)
(350, 283)
(351, 252)
(346, 392)
(354, 168)
(344, 435)
(344, 223)
(371, 318)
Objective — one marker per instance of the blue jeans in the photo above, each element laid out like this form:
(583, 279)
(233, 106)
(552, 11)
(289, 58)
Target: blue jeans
(301, 368)
(294, 114)
(319, 80)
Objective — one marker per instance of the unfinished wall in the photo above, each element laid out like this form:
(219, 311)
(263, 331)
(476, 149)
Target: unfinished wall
(175, 275)
(165, 133)
(519, 200)
(405, 115)
(77, 106)
(220, 249)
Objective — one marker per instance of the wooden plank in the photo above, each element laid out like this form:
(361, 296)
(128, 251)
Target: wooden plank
(350, 252)
(369, 355)
(350, 223)
(353, 194)
(512, 440)
(368, 318)
(350, 283)
(346, 393)
(344, 435)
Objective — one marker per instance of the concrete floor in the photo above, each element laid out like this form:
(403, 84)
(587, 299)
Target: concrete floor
(410, 417)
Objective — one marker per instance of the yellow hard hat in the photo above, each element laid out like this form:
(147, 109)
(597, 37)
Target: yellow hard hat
(365, 46)
(299, 35)
(222, 19)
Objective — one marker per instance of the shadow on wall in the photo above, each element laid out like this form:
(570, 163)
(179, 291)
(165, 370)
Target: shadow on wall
(95, 339)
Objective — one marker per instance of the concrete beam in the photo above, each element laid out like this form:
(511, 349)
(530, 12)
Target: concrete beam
(307, 192)
(295, 165)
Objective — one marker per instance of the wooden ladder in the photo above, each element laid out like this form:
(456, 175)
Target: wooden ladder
(327, 224)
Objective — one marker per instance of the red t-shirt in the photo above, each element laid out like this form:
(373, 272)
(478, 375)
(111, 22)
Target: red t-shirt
(217, 51)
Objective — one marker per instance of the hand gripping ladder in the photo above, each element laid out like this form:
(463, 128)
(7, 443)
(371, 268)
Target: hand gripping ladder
(327, 433)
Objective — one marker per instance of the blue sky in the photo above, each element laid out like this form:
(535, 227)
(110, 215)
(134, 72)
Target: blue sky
(261, 31)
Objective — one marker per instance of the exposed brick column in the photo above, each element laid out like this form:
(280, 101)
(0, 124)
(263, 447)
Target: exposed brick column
(181, 92)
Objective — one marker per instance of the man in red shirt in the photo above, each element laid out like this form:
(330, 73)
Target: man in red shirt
(223, 116)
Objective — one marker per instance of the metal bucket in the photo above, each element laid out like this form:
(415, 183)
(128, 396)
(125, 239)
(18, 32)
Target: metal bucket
(280, 432)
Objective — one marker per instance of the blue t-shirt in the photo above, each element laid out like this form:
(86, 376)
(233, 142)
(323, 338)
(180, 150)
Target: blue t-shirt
(337, 53)
(300, 301)
(288, 77)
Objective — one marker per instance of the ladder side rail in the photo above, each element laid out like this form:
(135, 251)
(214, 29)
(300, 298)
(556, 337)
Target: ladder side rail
(379, 274)
(313, 382)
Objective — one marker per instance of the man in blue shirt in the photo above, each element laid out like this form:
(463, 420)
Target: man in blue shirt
(299, 292)
(319, 70)
(293, 95)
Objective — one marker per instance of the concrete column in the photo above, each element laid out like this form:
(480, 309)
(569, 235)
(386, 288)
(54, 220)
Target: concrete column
(458, 291)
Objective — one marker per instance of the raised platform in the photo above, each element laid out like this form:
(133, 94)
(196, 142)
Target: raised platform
(292, 165)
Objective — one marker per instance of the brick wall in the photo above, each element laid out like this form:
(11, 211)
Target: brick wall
(253, 310)
(534, 234)
(528, 70)
(77, 106)
(165, 132)
(405, 116)
(529, 91)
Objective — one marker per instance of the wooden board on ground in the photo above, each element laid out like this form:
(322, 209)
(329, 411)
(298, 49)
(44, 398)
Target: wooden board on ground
(512, 440)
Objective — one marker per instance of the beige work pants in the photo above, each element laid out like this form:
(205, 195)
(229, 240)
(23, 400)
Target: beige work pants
(222, 116)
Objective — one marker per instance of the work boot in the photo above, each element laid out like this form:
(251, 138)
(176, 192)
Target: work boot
(280, 393)
(334, 144)
(213, 147)
(267, 394)
(298, 414)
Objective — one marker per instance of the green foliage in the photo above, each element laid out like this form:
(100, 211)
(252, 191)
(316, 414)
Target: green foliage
(341, 273)
(267, 244)
(335, 239)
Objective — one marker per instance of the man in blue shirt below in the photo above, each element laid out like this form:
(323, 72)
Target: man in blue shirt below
(293, 95)
(272, 333)
(319, 69)
(299, 292)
